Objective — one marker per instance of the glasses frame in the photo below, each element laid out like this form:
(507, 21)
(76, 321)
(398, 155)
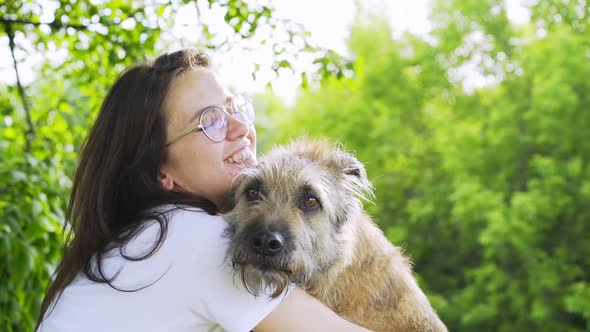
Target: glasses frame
(223, 108)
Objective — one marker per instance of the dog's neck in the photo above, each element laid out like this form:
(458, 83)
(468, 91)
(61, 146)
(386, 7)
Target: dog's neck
(365, 254)
(356, 248)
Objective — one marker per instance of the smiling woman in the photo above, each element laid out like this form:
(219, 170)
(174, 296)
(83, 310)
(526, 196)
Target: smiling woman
(147, 246)
(191, 103)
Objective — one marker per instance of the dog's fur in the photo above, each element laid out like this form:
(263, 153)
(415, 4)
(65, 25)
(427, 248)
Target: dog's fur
(332, 249)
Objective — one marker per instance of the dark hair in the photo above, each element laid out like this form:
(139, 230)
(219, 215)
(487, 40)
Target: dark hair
(115, 186)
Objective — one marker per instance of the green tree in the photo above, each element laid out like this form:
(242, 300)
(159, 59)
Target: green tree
(486, 186)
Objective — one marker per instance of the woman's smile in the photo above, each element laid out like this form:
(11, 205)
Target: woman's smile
(242, 156)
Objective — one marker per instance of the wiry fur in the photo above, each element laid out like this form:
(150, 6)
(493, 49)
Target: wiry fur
(336, 253)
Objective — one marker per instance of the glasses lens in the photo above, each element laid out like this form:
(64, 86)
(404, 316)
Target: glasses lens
(243, 109)
(215, 123)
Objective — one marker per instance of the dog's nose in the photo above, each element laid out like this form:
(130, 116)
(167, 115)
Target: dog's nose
(267, 243)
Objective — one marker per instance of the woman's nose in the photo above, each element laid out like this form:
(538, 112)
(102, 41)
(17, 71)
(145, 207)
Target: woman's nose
(237, 128)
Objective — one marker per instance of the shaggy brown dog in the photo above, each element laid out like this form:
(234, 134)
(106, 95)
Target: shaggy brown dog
(298, 219)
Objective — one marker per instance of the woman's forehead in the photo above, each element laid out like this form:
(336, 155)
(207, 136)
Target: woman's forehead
(192, 91)
(200, 83)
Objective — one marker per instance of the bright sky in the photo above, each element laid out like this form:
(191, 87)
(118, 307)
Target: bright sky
(327, 20)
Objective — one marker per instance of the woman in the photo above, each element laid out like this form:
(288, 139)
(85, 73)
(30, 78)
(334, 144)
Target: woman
(147, 250)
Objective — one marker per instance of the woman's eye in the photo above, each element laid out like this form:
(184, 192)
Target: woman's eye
(311, 203)
(253, 194)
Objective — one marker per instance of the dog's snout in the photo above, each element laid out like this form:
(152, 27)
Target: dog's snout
(267, 243)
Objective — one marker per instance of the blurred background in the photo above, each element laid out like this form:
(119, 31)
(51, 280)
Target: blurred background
(471, 117)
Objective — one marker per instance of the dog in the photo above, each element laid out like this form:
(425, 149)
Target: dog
(298, 219)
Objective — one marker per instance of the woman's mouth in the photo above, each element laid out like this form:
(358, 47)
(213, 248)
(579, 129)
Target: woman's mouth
(240, 157)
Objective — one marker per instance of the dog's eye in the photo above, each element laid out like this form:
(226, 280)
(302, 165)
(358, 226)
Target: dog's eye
(253, 194)
(311, 203)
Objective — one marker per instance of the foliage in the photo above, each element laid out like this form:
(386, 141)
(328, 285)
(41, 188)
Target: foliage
(486, 187)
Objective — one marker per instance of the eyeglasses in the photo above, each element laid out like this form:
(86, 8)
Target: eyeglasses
(214, 120)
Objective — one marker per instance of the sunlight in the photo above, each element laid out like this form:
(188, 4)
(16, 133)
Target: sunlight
(237, 64)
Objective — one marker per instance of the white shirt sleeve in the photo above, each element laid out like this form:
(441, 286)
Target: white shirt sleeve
(220, 296)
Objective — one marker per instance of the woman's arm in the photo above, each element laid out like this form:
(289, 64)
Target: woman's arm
(302, 312)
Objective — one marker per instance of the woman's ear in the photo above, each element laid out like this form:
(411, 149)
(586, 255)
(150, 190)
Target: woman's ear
(165, 180)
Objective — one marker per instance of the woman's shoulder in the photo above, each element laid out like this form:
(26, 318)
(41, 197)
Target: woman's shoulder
(188, 217)
(187, 225)
(186, 238)
(179, 232)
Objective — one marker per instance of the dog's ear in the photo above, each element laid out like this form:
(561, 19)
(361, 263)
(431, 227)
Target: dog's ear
(354, 173)
(331, 155)
(350, 165)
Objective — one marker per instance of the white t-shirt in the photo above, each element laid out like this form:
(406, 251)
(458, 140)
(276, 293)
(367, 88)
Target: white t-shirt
(196, 290)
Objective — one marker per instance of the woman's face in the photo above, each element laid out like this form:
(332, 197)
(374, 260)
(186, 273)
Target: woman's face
(195, 163)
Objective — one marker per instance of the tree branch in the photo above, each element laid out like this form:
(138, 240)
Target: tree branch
(55, 24)
(31, 130)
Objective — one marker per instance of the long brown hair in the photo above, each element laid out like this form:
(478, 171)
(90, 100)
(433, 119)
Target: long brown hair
(115, 185)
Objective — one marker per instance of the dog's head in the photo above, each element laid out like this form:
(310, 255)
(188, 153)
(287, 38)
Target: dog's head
(292, 214)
